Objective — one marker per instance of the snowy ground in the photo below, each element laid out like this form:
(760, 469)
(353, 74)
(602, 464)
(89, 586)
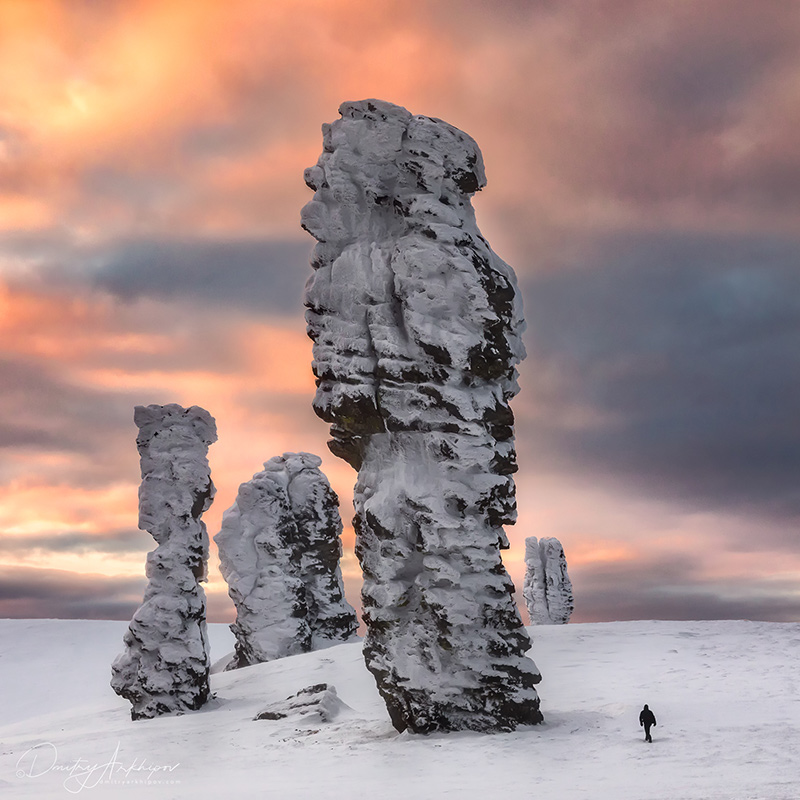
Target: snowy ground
(726, 694)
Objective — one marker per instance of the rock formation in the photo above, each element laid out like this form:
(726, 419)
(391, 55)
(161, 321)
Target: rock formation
(279, 552)
(547, 589)
(417, 330)
(165, 665)
(533, 587)
(319, 528)
(313, 705)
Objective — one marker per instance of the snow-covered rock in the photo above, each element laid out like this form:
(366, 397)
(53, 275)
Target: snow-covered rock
(547, 589)
(533, 587)
(319, 547)
(165, 665)
(315, 704)
(279, 552)
(417, 330)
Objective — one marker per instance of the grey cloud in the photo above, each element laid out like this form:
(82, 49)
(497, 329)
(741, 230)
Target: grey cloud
(687, 352)
(258, 275)
(44, 412)
(655, 106)
(673, 589)
(24, 436)
(42, 409)
(609, 603)
(28, 592)
(683, 96)
(122, 541)
(695, 62)
(32, 593)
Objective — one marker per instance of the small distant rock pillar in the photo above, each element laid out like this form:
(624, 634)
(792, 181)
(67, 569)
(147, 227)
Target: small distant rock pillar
(417, 329)
(279, 551)
(165, 665)
(547, 589)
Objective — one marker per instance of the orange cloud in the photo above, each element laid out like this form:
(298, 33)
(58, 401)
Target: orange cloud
(186, 117)
(559, 100)
(121, 88)
(23, 509)
(37, 516)
(257, 383)
(19, 212)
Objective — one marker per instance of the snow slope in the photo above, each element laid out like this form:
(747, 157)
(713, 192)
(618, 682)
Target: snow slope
(726, 695)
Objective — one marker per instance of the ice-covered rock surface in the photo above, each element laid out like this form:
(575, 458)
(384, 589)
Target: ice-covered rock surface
(165, 665)
(547, 589)
(417, 330)
(279, 551)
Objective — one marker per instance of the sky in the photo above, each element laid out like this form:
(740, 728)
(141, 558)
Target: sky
(643, 181)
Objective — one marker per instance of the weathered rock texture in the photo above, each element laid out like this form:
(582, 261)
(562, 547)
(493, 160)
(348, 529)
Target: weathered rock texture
(165, 665)
(417, 330)
(547, 589)
(279, 551)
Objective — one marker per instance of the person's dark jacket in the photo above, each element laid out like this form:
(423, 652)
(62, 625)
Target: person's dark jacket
(647, 717)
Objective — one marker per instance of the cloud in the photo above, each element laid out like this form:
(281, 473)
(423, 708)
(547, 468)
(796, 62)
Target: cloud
(121, 541)
(642, 168)
(619, 116)
(182, 116)
(44, 411)
(260, 275)
(30, 593)
(672, 363)
(589, 114)
(74, 361)
(265, 277)
(675, 588)
(610, 603)
(27, 592)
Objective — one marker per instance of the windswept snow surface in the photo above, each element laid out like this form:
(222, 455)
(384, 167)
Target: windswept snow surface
(726, 695)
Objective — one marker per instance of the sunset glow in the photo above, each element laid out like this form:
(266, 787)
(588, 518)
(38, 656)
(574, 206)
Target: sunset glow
(644, 182)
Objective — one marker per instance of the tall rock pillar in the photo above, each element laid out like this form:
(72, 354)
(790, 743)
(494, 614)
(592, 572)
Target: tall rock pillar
(417, 330)
(165, 665)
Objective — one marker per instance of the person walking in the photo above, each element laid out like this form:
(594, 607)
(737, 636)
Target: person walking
(647, 719)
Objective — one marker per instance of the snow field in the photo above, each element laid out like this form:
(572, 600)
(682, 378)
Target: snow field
(726, 695)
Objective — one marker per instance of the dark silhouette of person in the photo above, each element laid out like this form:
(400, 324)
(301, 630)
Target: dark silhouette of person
(647, 719)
